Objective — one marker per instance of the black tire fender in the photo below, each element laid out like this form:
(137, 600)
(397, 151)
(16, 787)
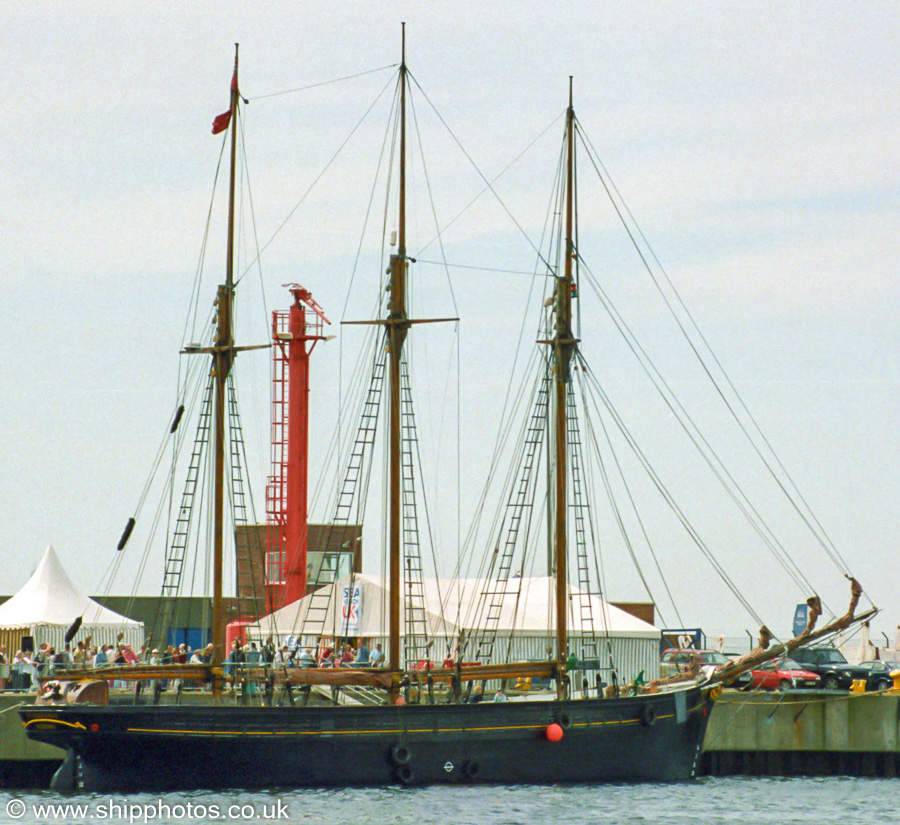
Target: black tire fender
(471, 769)
(405, 774)
(400, 754)
(648, 716)
(564, 721)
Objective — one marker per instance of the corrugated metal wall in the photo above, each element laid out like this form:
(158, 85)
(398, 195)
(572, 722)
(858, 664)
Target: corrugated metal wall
(630, 655)
(54, 635)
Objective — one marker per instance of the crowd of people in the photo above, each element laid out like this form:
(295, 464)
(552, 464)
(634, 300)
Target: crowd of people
(337, 655)
(24, 670)
(345, 655)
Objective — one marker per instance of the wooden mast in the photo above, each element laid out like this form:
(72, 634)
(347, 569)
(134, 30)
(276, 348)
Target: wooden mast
(564, 345)
(223, 357)
(397, 325)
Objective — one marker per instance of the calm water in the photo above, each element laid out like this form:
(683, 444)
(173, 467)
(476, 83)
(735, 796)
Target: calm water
(707, 801)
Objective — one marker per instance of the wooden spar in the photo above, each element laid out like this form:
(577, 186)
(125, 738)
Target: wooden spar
(467, 673)
(401, 229)
(366, 677)
(339, 677)
(397, 326)
(220, 368)
(137, 673)
(222, 360)
(247, 673)
(388, 679)
(503, 670)
(729, 672)
(564, 346)
(235, 98)
(764, 654)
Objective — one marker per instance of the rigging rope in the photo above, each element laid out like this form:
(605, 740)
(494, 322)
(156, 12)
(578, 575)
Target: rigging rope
(607, 485)
(700, 442)
(669, 499)
(318, 177)
(487, 183)
(807, 516)
(324, 83)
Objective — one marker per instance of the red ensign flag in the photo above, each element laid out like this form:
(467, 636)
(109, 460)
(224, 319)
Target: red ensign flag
(220, 123)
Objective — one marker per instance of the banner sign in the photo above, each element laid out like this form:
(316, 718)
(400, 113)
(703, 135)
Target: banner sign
(351, 604)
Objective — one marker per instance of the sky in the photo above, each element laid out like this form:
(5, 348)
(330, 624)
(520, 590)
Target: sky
(754, 143)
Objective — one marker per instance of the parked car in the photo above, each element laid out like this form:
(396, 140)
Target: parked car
(781, 674)
(829, 663)
(678, 660)
(879, 676)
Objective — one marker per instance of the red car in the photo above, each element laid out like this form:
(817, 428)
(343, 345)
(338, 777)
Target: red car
(781, 674)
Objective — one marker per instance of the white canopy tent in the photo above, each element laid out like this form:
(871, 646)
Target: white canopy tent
(356, 606)
(527, 605)
(523, 618)
(336, 611)
(49, 602)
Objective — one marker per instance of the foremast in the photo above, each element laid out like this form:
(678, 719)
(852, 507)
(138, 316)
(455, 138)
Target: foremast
(396, 326)
(223, 358)
(564, 345)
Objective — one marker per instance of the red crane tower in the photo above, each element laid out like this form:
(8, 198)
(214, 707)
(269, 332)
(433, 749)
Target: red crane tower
(286, 493)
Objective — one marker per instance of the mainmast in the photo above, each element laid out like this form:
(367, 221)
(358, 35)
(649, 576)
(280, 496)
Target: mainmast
(564, 345)
(397, 325)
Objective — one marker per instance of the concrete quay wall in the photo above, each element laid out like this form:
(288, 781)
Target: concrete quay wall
(23, 763)
(799, 733)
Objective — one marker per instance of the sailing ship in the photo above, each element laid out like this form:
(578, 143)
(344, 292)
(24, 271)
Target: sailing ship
(651, 733)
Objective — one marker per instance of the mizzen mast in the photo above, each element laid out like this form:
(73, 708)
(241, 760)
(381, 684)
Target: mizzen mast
(397, 325)
(564, 345)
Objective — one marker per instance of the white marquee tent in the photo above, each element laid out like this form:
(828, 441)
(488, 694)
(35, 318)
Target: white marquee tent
(334, 612)
(49, 602)
(523, 620)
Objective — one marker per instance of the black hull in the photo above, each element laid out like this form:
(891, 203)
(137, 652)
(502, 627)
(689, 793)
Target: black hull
(146, 748)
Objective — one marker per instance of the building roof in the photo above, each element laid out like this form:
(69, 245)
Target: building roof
(51, 597)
